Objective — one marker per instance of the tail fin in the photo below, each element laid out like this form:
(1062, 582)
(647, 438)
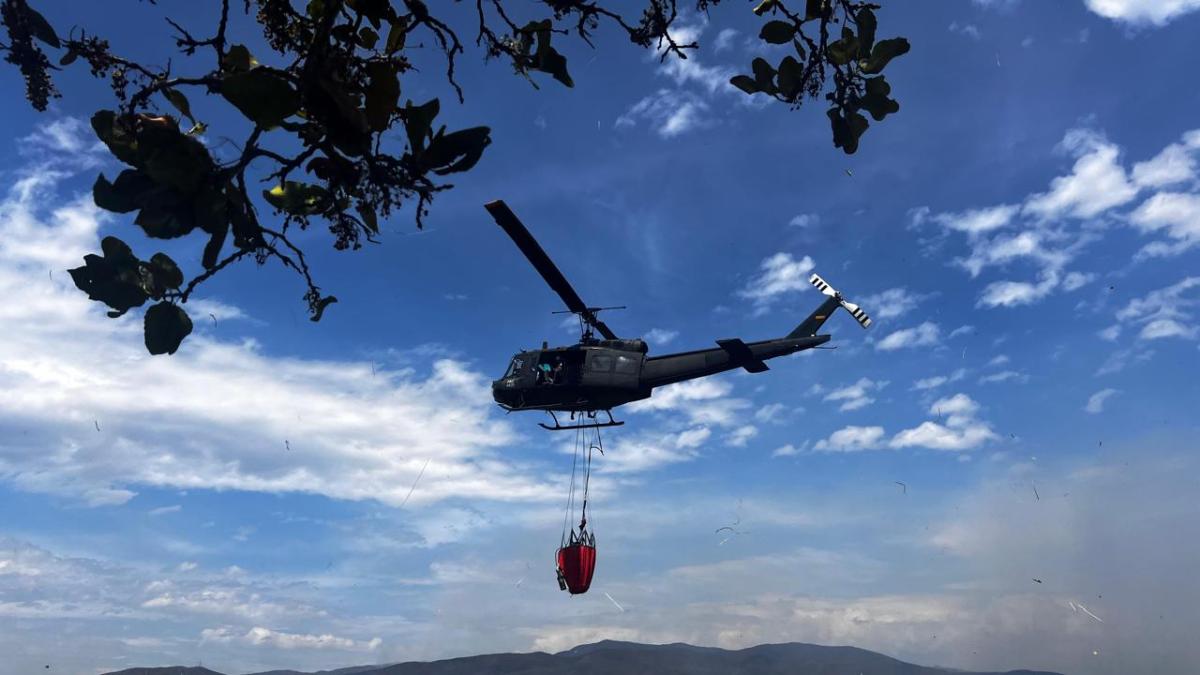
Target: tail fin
(814, 321)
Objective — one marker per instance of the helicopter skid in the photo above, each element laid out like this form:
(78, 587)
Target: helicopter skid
(589, 425)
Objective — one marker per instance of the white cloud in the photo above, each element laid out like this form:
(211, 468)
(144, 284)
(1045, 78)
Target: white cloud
(661, 336)
(704, 401)
(724, 39)
(1111, 333)
(1097, 182)
(1173, 165)
(805, 220)
(998, 360)
(670, 112)
(772, 413)
(960, 429)
(938, 380)
(1176, 215)
(1004, 376)
(778, 275)
(979, 221)
(163, 510)
(217, 414)
(891, 303)
(961, 330)
(857, 395)
(1166, 312)
(1077, 280)
(967, 29)
(1016, 293)
(925, 335)
(1142, 12)
(789, 450)
(741, 435)
(259, 636)
(1095, 402)
(851, 439)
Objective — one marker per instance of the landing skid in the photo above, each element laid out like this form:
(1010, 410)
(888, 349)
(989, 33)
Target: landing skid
(589, 425)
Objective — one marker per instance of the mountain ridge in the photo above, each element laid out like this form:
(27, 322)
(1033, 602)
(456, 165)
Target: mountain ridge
(614, 656)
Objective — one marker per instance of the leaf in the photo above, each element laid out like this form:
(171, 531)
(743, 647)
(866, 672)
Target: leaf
(263, 95)
(166, 325)
(212, 250)
(177, 99)
(815, 9)
(866, 31)
(299, 199)
(396, 35)
(68, 58)
(457, 151)
(113, 278)
(846, 132)
(777, 32)
(550, 61)
(40, 27)
(367, 38)
(883, 52)
(238, 59)
(128, 193)
(367, 214)
(745, 83)
(791, 77)
(172, 158)
(166, 273)
(764, 75)
(319, 309)
(876, 100)
(844, 50)
(417, 122)
(121, 143)
(383, 92)
(165, 219)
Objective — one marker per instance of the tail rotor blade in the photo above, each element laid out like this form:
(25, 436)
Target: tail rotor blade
(822, 286)
(857, 312)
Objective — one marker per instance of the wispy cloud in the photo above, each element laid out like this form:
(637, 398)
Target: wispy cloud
(925, 335)
(1095, 402)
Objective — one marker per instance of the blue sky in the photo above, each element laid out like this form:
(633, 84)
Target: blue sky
(1024, 232)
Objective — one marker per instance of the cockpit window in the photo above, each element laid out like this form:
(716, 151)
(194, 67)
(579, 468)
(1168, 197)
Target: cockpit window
(515, 366)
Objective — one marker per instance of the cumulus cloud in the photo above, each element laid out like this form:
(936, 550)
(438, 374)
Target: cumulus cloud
(1097, 181)
(1166, 312)
(957, 427)
(857, 395)
(1004, 376)
(925, 335)
(670, 112)
(805, 220)
(661, 336)
(851, 439)
(103, 418)
(938, 380)
(706, 401)
(779, 275)
(892, 303)
(1177, 215)
(1142, 12)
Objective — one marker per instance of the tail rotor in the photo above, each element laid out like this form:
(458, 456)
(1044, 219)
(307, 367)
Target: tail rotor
(855, 311)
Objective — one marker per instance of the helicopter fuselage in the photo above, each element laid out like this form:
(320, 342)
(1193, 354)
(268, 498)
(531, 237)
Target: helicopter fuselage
(603, 374)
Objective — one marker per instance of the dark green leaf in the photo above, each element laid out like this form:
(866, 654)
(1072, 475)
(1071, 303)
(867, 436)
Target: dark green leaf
(172, 158)
(165, 272)
(367, 38)
(866, 31)
(846, 131)
(166, 326)
(110, 129)
(550, 61)
(41, 28)
(457, 151)
(177, 99)
(844, 50)
(68, 58)
(777, 32)
(299, 199)
(319, 308)
(165, 219)
(212, 250)
(883, 52)
(238, 59)
(396, 35)
(815, 9)
(127, 194)
(383, 92)
(264, 95)
(764, 75)
(791, 76)
(113, 278)
(369, 219)
(417, 122)
(745, 83)
(876, 100)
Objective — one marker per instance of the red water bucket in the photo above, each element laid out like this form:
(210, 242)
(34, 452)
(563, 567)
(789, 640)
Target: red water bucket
(576, 563)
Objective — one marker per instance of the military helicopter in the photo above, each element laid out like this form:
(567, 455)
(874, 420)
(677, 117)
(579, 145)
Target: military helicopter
(598, 374)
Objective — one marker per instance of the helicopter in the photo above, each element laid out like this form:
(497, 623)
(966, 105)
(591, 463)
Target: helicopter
(598, 374)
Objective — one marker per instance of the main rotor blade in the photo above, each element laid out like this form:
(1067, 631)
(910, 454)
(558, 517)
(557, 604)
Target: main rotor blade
(509, 222)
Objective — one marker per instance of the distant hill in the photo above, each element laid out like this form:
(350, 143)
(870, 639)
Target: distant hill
(610, 656)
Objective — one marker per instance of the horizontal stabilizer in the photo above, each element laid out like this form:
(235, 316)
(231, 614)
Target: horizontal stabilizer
(739, 352)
